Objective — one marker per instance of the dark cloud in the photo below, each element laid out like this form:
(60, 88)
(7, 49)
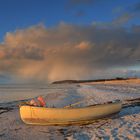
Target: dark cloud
(80, 13)
(69, 51)
(136, 7)
(76, 3)
(117, 22)
(2, 76)
(80, 2)
(78, 7)
(126, 14)
(124, 18)
(118, 9)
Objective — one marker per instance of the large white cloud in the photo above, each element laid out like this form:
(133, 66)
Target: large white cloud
(68, 51)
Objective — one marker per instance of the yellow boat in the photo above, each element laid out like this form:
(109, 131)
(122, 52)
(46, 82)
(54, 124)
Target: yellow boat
(67, 116)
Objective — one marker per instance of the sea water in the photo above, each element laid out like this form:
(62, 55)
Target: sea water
(15, 92)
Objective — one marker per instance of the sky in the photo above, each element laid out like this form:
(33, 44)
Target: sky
(49, 40)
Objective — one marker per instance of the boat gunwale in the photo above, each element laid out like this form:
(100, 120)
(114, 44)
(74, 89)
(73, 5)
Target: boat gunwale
(72, 108)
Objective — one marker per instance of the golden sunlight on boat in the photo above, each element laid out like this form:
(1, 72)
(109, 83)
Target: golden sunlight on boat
(67, 116)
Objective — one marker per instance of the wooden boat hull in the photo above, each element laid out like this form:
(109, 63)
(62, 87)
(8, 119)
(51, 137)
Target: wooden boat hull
(67, 116)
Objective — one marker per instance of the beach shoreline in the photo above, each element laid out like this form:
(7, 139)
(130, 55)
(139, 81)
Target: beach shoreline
(124, 125)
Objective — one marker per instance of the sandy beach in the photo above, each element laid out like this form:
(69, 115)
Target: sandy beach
(122, 126)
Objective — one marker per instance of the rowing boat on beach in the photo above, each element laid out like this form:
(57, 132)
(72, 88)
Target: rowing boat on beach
(67, 116)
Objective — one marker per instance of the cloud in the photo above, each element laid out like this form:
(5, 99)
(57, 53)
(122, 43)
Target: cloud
(68, 52)
(117, 9)
(136, 7)
(2, 54)
(80, 2)
(77, 7)
(73, 3)
(124, 18)
(126, 14)
(83, 45)
(80, 13)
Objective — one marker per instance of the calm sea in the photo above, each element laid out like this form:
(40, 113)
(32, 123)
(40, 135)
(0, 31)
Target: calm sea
(14, 92)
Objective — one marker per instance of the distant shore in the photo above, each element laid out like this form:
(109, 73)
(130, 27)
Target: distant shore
(91, 81)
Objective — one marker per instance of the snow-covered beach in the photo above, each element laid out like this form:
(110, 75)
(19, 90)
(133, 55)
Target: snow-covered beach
(122, 126)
